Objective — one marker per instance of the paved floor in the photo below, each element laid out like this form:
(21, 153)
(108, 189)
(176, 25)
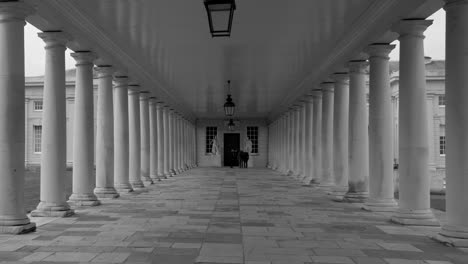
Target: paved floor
(226, 216)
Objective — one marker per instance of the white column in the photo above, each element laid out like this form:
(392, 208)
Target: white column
(430, 136)
(317, 137)
(456, 112)
(121, 140)
(358, 181)
(291, 149)
(284, 139)
(53, 159)
(13, 218)
(179, 144)
(302, 144)
(105, 135)
(154, 143)
(381, 197)
(167, 172)
(160, 140)
(340, 136)
(308, 140)
(414, 183)
(134, 140)
(145, 138)
(327, 180)
(84, 179)
(297, 141)
(171, 141)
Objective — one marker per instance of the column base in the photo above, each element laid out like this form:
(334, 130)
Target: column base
(173, 173)
(415, 217)
(83, 200)
(167, 175)
(123, 188)
(19, 229)
(382, 205)
(455, 236)
(156, 178)
(356, 197)
(106, 192)
(147, 181)
(52, 210)
(338, 193)
(137, 185)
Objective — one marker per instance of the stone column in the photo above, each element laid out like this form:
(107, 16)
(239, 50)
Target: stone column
(284, 150)
(167, 172)
(121, 140)
(317, 137)
(455, 230)
(84, 179)
(414, 183)
(327, 180)
(154, 144)
(340, 136)
(145, 138)
(358, 181)
(13, 218)
(53, 159)
(381, 197)
(105, 136)
(430, 136)
(302, 141)
(160, 140)
(179, 144)
(134, 140)
(308, 139)
(170, 132)
(297, 142)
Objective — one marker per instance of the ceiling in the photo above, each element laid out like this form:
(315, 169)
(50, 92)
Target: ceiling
(278, 51)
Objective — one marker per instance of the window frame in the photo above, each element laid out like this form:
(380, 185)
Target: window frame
(36, 103)
(210, 133)
(441, 100)
(37, 139)
(254, 138)
(442, 146)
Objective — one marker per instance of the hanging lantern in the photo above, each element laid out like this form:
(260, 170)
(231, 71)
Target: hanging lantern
(220, 15)
(229, 106)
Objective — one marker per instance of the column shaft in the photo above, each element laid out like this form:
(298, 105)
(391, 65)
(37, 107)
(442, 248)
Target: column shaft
(105, 136)
(308, 140)
(13, 218)
(160, 140)
(414, 183)
(121, 140)
(358, 134)
(154, 144)
(134, 139)
(317, 138)
(327, 180)
(167, 152)
(145, 138)
(53, 159)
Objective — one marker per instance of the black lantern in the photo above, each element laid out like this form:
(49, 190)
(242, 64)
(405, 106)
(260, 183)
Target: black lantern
(231, 125)
(220, 14)
(229, 106)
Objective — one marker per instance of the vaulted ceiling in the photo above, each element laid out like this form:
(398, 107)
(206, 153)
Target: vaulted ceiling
(278, 50)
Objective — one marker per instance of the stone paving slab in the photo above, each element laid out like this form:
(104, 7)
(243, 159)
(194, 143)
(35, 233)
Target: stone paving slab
(222, 215)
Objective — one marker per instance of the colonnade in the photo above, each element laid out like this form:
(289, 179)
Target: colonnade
(139, 138)
(351, 150)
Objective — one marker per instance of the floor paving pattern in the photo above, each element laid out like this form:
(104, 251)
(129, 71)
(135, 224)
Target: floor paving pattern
(222, 215)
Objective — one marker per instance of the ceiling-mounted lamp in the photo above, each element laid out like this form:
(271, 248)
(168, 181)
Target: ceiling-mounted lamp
(229, 106)
(220, 15)
(231, 125)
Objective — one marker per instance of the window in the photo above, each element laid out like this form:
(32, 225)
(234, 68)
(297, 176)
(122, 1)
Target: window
(211, 133)
(442, 100)
(442, 145)
(252, 134)
(37, 130)
(38, 105)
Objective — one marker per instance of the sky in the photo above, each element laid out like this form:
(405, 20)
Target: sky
(35, 54)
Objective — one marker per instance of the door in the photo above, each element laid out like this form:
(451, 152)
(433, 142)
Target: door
(231, 149)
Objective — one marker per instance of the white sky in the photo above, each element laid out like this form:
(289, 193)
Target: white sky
(34, 46)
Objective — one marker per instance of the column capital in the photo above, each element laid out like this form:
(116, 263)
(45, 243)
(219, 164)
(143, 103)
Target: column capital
(84, 57)
(54, 39)
(308, 98)
(411, 27)
(328, 87)
(120, 81)
(340, 77)
(380, 50)
(159, 105)
(152, 100)
(104, 71)
(357, 66)
(133, 88)
(144, 95)
(15, 11)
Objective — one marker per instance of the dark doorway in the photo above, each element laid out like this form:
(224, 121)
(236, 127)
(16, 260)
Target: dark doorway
(231, 149)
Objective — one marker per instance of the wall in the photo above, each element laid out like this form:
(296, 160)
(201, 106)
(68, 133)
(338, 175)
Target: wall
(255, 160)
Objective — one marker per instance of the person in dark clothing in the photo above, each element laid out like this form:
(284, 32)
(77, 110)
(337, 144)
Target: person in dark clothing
(244, 158)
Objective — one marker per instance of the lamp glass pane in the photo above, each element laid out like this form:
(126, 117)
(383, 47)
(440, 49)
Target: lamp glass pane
(220, 20)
